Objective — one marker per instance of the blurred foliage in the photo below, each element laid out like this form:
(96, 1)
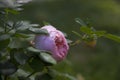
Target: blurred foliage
(92, 59)
(17, 57)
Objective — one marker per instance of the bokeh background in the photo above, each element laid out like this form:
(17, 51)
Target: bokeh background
(86, 63)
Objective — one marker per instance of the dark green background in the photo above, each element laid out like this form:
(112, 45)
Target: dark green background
(99, 63)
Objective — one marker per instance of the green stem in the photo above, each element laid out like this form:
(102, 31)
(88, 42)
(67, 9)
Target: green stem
(77, 34)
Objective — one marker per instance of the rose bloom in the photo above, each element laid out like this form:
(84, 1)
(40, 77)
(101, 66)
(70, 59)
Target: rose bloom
(55, 43)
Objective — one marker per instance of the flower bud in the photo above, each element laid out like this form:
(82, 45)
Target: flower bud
(55, 43)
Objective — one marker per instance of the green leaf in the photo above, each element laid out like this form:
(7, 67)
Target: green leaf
(46, 23)
(25, 69)
(47, 58)
(36, 64)
(38, 31)
(62, 76)
(18, 43)
(4, 41)
(11, 11)
(4, 37)
(23, 78)
(23, 25)
(20, 57)
(1, 30)
(44, 55)
(21, 35)
(13, 77)
(44, 76)
(113, 37)
(100, 33)
(86, 30)
(7, 68)
(77, 33)
(78, 20)
(12, 57)
(32, 49)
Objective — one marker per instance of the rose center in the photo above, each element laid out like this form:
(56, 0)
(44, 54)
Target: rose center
(58, 41)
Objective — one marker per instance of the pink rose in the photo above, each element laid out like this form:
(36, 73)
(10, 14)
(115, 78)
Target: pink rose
(55, 43)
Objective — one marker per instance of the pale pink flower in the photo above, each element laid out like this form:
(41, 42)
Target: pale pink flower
(55, 43)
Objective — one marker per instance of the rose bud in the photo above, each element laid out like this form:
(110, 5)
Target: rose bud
(55, 43)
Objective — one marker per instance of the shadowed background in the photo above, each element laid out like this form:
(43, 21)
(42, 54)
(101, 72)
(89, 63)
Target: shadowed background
(99, 63)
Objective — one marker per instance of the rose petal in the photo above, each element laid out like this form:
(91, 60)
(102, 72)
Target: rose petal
(55, 42)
